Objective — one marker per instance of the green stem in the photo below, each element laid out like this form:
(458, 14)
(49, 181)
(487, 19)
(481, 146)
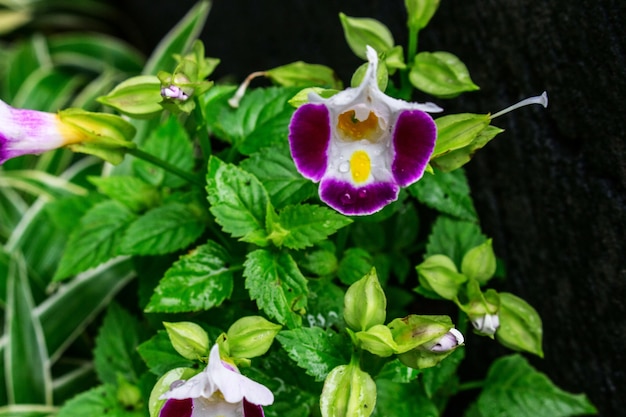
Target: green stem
(406, 87)
(138, 153)
(466, 386)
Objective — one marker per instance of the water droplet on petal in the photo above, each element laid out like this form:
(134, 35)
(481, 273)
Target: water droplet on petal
(346, 199)
(344, 167)
(362, 193)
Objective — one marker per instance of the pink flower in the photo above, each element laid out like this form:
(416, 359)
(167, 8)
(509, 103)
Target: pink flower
(219, 390)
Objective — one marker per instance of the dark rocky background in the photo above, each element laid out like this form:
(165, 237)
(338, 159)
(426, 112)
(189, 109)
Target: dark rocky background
(551, 190)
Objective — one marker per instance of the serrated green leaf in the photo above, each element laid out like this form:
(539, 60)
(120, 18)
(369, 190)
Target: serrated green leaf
(170, 143)
(160, 356)
(447, 193)
(238, 200)
(27, 372)
(395, 399)
(96, 239)
(98, 401)
(315, 350)
(325, 304)
(396, 371)
(116, 345)
(162, 230)
(514, 388)
(362, 31)
(441, 74)
(276, 170)
(178, 40)
(277, 285)
(307, 224)
(130, 191)
(453, 238)
(443, 376)
(354, 265)
(198, 281)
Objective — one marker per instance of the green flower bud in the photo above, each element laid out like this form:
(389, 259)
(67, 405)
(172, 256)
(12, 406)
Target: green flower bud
(439, 274)
(365, 303)
(520, 325)
(128, 394)
(481, 308)
(188, 339)
(479, 263)
(136, 97)
(420, 12)
(173, 377)
(413, 331)
(348, 392)
(378, 340)
(251, 336)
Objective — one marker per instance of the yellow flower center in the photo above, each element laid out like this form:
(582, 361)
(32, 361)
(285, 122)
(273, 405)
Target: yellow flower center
(360, 166)
(352, 128)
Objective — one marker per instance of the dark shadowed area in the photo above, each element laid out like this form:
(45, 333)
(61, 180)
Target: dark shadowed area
(551, 190)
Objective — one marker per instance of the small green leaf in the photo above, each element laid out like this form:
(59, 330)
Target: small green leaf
(238, 200)
(277, 285)
(514, 388)
(457, 131)
(163, 229)
(315, 350)
(453, 238)
(170, 143)
(198, 281)
(396, 371)
(301, 74)
(354, 265)
(308, 224)
(399, 399)
(520, 325)
(319, 262)
(130, 191)
(440, 74)
(479, 263)
(361, 32)
(276, 170)
(443, 376)
(115, 352)
(189, 339)
(159, 354)
(448, 193)
(96, 239)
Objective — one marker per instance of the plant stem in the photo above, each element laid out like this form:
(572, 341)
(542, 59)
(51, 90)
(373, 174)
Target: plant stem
(466, 386)
(406, 87)
(138, 153)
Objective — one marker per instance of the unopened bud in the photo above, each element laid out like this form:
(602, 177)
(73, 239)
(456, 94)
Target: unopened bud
(251, 336)
(378, 340)
(189, 339)
(413, 331)
(174, 92)
(487, 324)
(447, 342)
(348, 392)
(365, 303)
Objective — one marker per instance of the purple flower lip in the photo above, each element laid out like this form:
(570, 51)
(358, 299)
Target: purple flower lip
(362, 145)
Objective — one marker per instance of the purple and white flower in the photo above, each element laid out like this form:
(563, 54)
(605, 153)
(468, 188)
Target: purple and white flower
(445, 343)
(361, 144)
(25, 132)
(219, 390)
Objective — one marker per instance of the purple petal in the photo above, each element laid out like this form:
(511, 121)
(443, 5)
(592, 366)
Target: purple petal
(252, 410)
(309, 136)
(357, 201)
(177, 408)
(4, 154)
(414, 141)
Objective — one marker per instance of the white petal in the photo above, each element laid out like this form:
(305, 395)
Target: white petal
(234, 386)
(195, 387)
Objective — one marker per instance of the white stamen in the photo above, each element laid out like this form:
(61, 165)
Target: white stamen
(234, 100)
(542, 99)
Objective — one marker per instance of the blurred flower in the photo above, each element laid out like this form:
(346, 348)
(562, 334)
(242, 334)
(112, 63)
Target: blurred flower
(447, 342)
(362, 144)
(486, 324)
(32, 132)
(174, 92)
(219, 390)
